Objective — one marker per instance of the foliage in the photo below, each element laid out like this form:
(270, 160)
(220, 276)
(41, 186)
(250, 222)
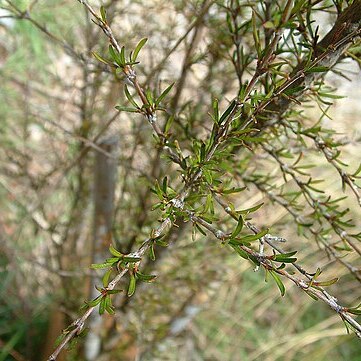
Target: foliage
(236, 121)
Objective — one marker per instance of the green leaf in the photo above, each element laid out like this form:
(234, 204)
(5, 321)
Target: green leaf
(122, 55)
(298, 5)
(242, 91)
(132, 284)
(161, 243)
(286, 260)
(297, 89)
(145, 278)
(325, 283)
(168, 123)
(131, 259)
(126, 109)
(102, 306)
(149, 96)
(202, 155)
(278, 281)
(165, 185)
(98, 288)
(112, 260)
(251, 209)
(152, 253)
(115, 56)
(164, 94)
(357, 171)
(100, 265)
(238, 228)
(254, 259)
(112, 292)
(238, 133)
(208, 176)
(285, 257)
(200, 230)
(59, 339)
(354, 311)
(103, 13)
(317, 69)
(317, 273)
(229, 23)
(138, 48)
(209, 206)
(256, 34)
(105, 279)
(240, 251)
(269, 25)
(93, 302)
(331, 96)
(115, 252)
(215, 110)
(233, 190)
(129, 97)
(101, 59)
(251, 237)
(157, 190)
(311, 295)
(108, 305)
(253, 139)
(228, 111)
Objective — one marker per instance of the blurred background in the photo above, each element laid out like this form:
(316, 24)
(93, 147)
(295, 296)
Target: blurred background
(63, 145)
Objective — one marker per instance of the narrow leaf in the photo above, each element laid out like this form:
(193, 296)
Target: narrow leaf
(131, 287)
(138, 48)
(152, 253)
(100, 265)
(102, 306)
(149, 96)
(233, 190)
(164, 94)
(251, 237)
(145, 278)
(93, 302)
(280, 284)
(103, 13)
(331, 96)
(228, 111)
(168, 123)
(112, 260)
(202, 152)
(325, 283)
(122, 55)
(112, 292)
(101, 59)
(131, 259)
(115, 56)
(354, 311)
(165, 185)
(240, 251)
(108, 306)
(297, 89)
(106, 277)
(200, 230)
(129, 97)
(317, 69)
(251, 210)
(238, 228)
(115, 252)
(215, 110)
(126, 109)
